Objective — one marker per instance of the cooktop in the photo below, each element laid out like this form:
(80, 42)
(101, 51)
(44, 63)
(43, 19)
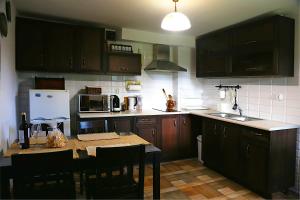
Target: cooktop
(164, 110)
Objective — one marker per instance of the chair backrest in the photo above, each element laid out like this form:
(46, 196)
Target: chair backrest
(92, 126)
(34, 169)
(120, 157)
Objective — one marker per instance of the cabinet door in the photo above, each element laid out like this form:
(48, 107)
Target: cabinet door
(229, 141)
(148, 128)
(212, 54)
(124, 63)
(254, 159)
(169, 135)
(91, 43)
(211, 144)
(119, 125)
(148, 133)
(59, 48)
(186, 137)
(30, 53)
(254, 46)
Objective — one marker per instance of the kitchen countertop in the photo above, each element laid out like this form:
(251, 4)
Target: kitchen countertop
(267, 125)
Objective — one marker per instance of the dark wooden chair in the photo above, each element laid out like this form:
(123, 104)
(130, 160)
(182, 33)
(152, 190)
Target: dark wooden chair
(43, 175)
(117, 184)
(92, 126)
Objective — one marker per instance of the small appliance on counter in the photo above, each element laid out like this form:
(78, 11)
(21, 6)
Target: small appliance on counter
(132, 102)
(115, 105)
(93, 103)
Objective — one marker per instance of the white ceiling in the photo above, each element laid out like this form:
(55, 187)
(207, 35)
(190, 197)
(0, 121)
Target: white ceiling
(205, 15)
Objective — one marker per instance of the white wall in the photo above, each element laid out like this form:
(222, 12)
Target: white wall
(8, 83)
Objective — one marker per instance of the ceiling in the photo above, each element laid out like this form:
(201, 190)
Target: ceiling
(205, 15)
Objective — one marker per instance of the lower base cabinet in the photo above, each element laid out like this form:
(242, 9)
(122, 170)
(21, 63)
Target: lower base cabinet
(262, 160)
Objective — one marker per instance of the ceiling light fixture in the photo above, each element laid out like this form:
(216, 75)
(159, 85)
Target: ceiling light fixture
(175, 21)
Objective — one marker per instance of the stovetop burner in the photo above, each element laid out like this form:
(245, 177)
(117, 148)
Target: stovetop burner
(162, 110)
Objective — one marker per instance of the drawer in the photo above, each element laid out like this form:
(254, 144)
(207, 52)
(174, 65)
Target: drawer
(258, 135)
(146, 120)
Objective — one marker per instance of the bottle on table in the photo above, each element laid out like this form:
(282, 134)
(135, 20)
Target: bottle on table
(24, 132)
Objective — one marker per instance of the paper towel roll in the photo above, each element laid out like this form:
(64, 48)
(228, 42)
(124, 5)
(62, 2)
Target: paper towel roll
(222, 94)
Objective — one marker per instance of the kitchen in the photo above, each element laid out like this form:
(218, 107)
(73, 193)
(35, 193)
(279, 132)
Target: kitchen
(266, 95)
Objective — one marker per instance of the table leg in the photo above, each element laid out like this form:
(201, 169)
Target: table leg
(156, 175)
(4, 187)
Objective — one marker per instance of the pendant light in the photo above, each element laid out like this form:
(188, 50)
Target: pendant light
(175, 21)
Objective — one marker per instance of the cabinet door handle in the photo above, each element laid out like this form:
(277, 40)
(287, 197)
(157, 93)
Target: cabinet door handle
(254, 69)
(83, 61)
(247, 149)
(184, 122)
(42, 59)
(153, 132)
(175, 122)
(71, 62)
(215, 129)
(224, 132)
(115, 125)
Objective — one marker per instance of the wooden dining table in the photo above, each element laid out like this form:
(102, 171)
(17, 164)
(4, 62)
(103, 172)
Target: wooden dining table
(82, 158)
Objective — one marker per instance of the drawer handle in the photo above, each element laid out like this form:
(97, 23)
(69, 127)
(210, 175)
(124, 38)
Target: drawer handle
(248, 149)
(258, 134)
(250, 42)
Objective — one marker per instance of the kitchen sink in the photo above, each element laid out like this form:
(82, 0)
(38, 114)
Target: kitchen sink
(234, 117)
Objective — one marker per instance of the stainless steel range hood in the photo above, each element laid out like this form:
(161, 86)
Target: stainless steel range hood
(161, 60)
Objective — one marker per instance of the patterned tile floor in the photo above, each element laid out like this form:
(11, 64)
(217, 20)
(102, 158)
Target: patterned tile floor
(189, 179)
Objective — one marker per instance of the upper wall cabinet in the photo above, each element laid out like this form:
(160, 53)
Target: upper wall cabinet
(30, 45)
(124, 63)
(258, 48)
(91, 43)
(57, 47)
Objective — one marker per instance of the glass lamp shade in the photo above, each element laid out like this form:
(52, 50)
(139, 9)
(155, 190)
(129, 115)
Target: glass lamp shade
(175, 21)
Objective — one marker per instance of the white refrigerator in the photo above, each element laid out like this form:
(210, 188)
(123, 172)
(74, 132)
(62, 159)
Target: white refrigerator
(50, 106)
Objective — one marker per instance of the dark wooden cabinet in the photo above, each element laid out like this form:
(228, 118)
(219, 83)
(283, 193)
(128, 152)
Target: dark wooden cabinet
(91, 41)
(211, 143)
(213, 52)
(59, 48)
(124, 63)
(169, 137)
(147, 127)
(229, 149)
(263, 47)
(256, 158)
(186, 138)
(30, 37)
(120, 124)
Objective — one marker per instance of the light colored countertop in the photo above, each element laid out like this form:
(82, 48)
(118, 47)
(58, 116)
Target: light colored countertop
(267, 125)
(128, 113)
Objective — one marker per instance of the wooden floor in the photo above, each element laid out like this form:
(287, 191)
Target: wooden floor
(189, 179)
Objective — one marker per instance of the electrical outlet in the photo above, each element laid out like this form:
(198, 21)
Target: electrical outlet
(116, 91)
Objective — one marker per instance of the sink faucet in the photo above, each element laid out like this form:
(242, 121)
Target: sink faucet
(240, 111)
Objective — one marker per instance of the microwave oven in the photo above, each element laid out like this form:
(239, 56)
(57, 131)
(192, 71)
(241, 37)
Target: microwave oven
(93, 103)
